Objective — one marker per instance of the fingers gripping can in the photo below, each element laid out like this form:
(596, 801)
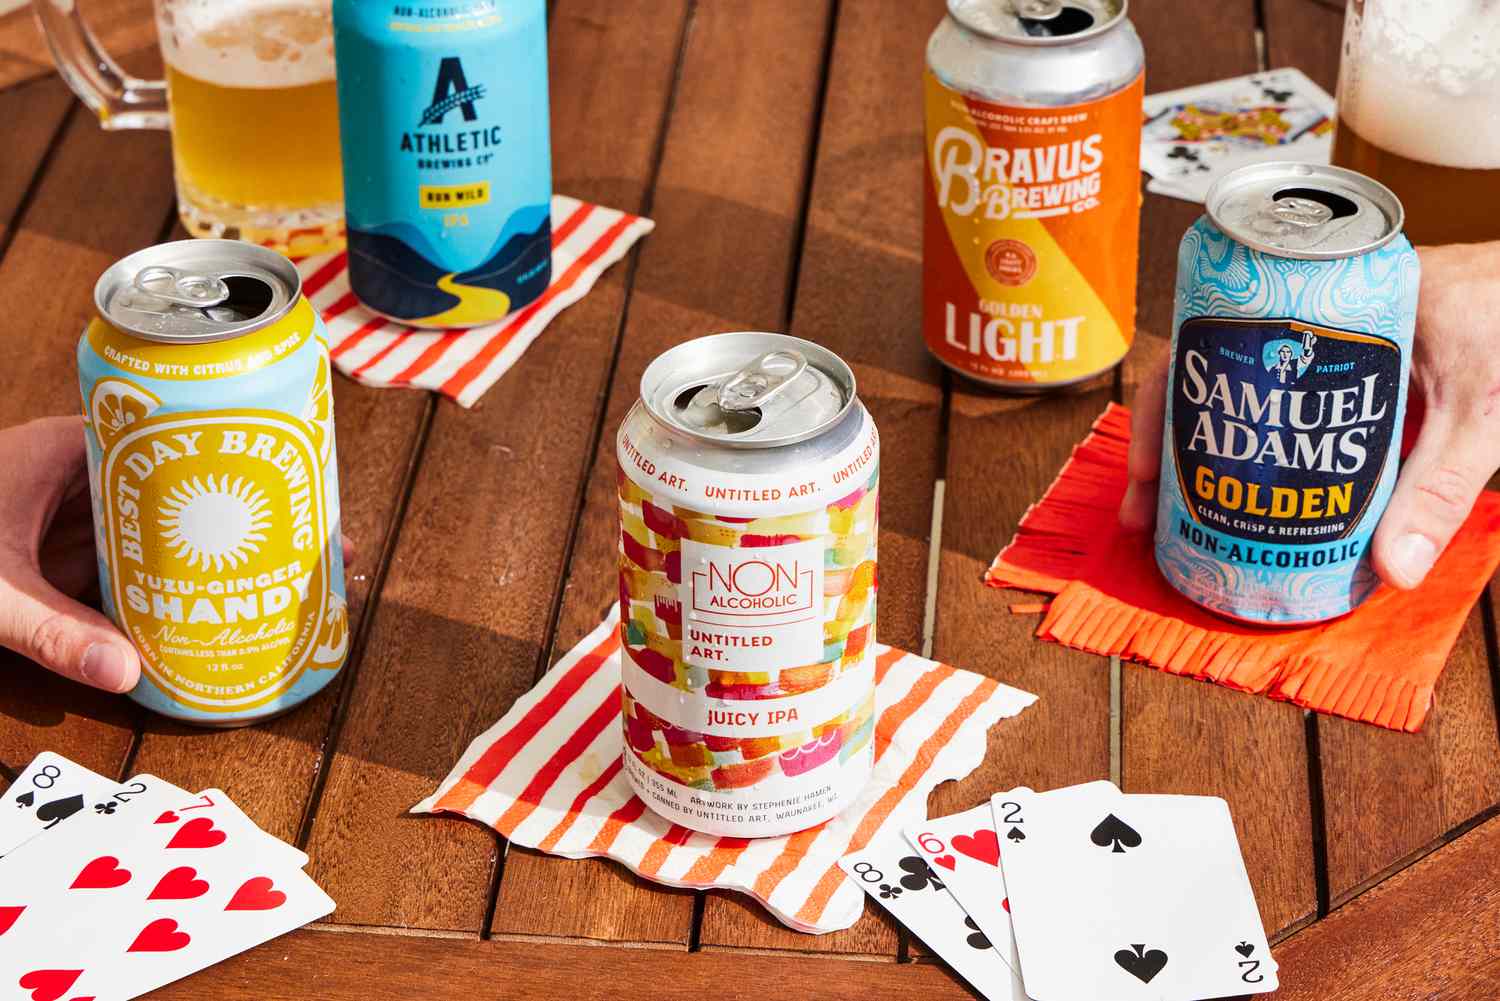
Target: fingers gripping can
(208, 413)
(1296, 303)
(1032, 194)
(749, 486)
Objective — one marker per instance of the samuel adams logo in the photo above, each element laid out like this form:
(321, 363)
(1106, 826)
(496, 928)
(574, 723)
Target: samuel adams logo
(1281, 428)
(451, 91)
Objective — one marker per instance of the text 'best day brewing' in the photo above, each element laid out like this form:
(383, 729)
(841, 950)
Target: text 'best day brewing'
(208, 412)
(447, 162)
(1031, 201)
(749, 497)
(1296, 302)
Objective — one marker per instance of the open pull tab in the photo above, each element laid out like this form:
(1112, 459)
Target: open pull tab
(762, 379)
(184, 288)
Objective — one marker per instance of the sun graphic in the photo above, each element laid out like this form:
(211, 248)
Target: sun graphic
(215, 524)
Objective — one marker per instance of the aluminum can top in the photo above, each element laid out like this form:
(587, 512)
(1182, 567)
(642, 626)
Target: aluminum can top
(197, 291)
(1038, 22)
(1308, 211)
(748, 390)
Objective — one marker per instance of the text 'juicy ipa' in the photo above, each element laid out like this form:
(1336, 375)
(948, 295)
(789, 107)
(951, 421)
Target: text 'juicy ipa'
(1291, 348)
(749, 495)
(208, 412)
(447, 157)
(1031, 200)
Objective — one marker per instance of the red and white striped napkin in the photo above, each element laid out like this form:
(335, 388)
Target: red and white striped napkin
(548, 776)
(463, 363)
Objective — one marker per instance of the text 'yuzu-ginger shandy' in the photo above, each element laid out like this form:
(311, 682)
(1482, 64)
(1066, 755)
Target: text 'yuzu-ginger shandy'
(749, 503)
(208, 408)
(1032, 190)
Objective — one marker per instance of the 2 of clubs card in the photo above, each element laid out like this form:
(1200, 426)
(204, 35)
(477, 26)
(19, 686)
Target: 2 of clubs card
(1131, 898)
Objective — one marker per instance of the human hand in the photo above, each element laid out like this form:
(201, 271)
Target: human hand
(1455, 377)
(47, 558)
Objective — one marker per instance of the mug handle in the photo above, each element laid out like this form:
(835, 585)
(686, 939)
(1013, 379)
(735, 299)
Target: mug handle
(120, 100)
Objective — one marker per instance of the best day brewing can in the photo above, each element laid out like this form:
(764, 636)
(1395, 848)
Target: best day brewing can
(447, 157)
(749, 486)
(1031, 202)
(208, 415)
(1296, 302)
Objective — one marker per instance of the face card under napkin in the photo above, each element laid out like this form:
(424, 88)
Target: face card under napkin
(463, 363)
(1378, 664)
(548, 776)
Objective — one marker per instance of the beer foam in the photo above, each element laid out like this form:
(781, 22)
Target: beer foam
(1423, 80)
(249, 43)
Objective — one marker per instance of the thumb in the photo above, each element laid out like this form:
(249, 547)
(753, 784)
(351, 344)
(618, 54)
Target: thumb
(1440, 480)
(41, 623)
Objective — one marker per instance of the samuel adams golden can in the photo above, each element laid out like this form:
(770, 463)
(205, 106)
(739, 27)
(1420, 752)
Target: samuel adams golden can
(1296, 302)
(447, 162)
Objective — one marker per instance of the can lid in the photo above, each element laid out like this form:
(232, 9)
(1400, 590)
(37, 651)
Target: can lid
(1309, 211)
(197, 291)
(748, 389)
(1038, 22)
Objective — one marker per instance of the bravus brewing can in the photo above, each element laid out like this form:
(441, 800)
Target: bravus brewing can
(1031, 202)
(208, 416)
(749, 486)
(447, 156)
(1296, 302)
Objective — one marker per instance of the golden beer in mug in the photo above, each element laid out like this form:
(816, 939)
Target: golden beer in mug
(249, 97)
(1419, 111)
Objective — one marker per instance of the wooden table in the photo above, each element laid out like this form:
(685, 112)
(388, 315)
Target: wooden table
(777, 145)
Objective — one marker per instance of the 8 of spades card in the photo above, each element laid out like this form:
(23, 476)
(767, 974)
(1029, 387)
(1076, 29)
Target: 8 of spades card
(50, 790)
(1133, 898)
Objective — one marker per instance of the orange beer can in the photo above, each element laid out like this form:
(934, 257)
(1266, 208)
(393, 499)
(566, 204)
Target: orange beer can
(1032, 195)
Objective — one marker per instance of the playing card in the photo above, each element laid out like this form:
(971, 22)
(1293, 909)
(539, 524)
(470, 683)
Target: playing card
(964, 850)
(114, 909)
(50, 790)
(1133, 898)
(1194, 135)
(900, 881)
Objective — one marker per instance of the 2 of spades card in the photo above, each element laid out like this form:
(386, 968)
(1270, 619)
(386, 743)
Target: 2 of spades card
(1132, 898)
(899, 880)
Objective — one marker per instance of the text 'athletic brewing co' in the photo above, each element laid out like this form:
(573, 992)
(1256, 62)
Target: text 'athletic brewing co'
(749, 496)
(447, 157)
(1296, 302)
(1032, 195)
(208, 412)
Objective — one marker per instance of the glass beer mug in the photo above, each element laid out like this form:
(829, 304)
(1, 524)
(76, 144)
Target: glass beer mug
(1419, 110)
(249, 96)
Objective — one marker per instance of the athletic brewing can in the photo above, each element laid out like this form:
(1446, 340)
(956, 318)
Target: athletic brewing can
(447, 162)
(1296, 299)
(1032, 200)
(208, 414)
(749, 476)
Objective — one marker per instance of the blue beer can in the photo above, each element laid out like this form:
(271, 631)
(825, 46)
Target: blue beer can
(447, 157)
(1291, 349)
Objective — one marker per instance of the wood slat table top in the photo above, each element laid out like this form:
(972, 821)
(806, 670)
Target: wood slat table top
(777, 145)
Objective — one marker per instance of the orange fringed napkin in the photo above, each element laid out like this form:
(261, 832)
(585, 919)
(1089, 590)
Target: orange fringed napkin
(1378, 664)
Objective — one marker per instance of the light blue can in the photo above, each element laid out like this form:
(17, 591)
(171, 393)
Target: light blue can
(208, 407)
(443, 116)
(1291, 350)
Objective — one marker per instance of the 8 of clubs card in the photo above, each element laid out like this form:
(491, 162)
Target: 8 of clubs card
(1131, 898)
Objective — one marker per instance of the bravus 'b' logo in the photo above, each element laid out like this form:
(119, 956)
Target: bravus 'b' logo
(451, 91)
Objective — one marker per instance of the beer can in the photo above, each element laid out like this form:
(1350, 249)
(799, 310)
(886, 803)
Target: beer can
(208, 415)
(1296, 303)
(1031, 208)
(749, 495)
(447, 157)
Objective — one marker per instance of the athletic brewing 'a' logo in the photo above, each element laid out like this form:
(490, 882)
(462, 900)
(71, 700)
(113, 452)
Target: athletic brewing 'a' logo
(451, 91)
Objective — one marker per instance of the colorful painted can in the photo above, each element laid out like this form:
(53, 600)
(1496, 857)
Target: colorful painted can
(749, 479)
(1031, 207)
(447, 157)
(1296, 303)
(208, 414)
